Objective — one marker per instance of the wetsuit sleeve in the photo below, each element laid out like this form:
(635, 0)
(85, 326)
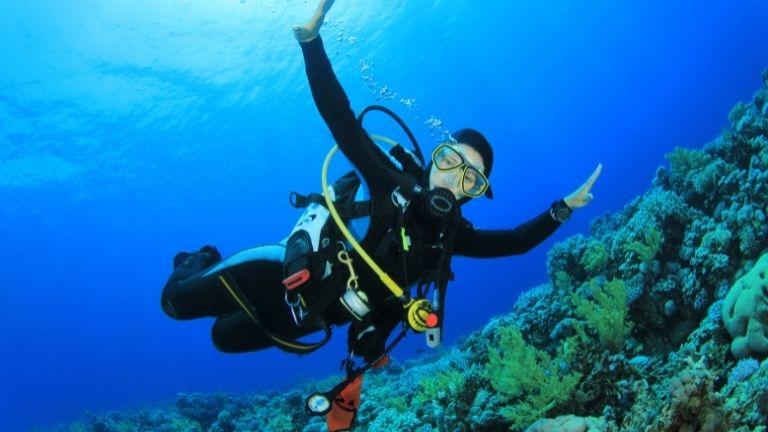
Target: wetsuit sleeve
(334, 107)
(477, 243)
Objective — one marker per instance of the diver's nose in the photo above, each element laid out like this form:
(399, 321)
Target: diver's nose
(455, 187)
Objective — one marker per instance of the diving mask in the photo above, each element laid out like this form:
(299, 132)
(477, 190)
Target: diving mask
(447, 158)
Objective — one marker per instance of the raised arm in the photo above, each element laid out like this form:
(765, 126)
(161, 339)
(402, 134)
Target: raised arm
(334, 106)
(477, 243)
(519, 240)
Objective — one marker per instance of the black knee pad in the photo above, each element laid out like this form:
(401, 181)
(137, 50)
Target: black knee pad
(236, 333)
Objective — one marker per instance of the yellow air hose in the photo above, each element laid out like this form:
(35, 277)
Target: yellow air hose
(383, 276)
(418, 310)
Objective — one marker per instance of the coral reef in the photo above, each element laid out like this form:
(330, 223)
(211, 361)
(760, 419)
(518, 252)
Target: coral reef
(745, 312)
(655, 321)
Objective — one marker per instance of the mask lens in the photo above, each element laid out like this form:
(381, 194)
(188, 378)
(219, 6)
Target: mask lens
(446, 158)
(474, 182)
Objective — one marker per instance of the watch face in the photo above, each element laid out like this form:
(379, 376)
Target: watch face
(562, 214)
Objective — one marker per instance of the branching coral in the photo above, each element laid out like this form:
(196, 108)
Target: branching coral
(683, 162)
(647, 249)
(439, 386)
(595, 257)
(606, 313)
(531, 377)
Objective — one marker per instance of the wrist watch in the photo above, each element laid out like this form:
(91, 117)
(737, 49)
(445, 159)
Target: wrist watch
(560, 211)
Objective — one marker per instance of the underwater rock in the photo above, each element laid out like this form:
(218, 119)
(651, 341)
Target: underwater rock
(568, 423)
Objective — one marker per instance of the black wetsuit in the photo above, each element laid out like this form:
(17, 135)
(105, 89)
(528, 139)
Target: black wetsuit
(192, 294)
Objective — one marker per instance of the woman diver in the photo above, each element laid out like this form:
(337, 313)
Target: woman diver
(324, 276)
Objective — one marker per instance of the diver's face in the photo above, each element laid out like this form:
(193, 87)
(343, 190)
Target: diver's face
(451, 179)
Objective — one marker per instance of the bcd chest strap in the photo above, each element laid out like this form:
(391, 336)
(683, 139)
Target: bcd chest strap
(348, 209)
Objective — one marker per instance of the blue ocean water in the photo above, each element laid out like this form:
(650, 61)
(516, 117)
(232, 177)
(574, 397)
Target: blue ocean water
(132, 130)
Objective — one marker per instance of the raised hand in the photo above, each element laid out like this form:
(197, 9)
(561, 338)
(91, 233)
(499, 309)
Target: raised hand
(582, 196)
(310, 30)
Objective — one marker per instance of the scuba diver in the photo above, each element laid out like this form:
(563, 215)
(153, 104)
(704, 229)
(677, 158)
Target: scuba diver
(373, 250)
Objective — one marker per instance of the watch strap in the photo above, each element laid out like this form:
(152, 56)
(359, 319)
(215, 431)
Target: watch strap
(560, 211)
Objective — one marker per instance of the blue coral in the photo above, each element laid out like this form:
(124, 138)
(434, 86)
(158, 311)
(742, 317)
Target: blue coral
(389, 419)
(743, 370)
(715, 312)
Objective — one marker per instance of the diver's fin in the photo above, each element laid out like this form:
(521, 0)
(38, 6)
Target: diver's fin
(207, 256)
(180, 258)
